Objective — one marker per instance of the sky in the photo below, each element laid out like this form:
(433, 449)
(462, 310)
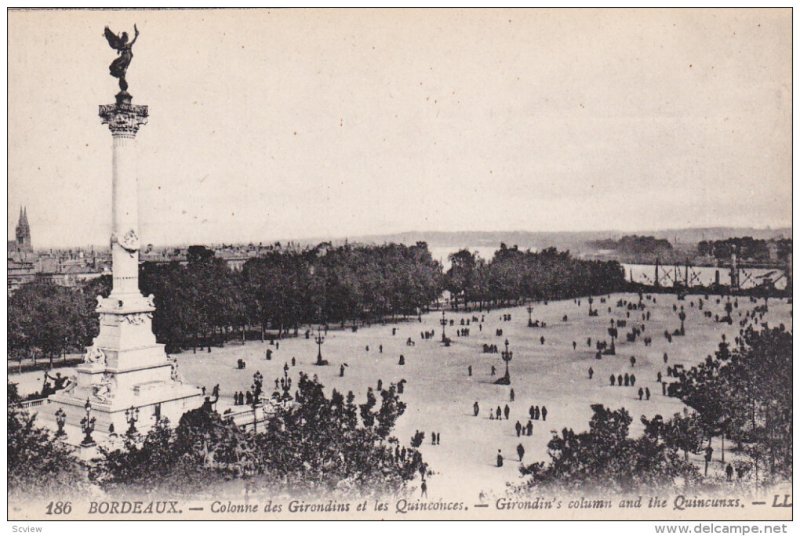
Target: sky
(268, 125)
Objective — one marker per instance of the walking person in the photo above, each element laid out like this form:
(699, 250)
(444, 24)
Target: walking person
(544, 413)
(507, 411)
(476, 408)
(521, 452)
(591, 372)
(518, 428)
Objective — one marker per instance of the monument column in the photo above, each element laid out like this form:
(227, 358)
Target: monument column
(123, 120)
(125, 368)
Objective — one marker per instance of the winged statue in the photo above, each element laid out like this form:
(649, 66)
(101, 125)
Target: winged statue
(119, 42)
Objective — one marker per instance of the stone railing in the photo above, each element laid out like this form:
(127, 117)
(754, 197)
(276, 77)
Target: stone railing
(27, 404)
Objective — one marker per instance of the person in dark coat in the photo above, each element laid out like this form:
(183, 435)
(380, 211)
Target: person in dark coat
(529, 429)
(627, 379)
(507, 411)
(521, 452)
(499, 413)
(518, 428)
(641, 393)
(476, 408)
(544, 413)
(499, 458)
(591, 372)
(647, 393)
(633, 380)
(619, 380)
(613, 379)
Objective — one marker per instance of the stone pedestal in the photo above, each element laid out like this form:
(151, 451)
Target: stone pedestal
(125, 367)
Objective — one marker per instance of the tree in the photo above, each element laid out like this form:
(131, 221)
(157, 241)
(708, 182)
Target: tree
(201, 454)
(318, 446)
(38, 464)
(746, 393)
(605, 458)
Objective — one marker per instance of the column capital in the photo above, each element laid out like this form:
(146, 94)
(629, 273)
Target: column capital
(123, 118)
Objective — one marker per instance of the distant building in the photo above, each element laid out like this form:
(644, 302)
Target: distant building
(23, 243)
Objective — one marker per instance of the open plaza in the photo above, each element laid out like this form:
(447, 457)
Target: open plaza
(545, 370)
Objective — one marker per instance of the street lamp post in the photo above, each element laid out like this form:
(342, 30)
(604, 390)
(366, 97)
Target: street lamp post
(319, 339)
(258, 382)
(443, 322)
(131, 417)
(61, 420)
(87, 425)
(286, 385)
(530, 320)
(506, 355)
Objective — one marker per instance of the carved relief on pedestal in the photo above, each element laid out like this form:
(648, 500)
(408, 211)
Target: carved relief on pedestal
(129, 241)
(137, 319)
(95, 356)
(103, 392)
(174, 374)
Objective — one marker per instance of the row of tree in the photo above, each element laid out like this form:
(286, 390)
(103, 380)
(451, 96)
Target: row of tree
(513, 276)
(283, 289)
(203, 302)
(746, 247)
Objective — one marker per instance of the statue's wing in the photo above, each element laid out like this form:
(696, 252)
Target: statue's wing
(113, 41)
